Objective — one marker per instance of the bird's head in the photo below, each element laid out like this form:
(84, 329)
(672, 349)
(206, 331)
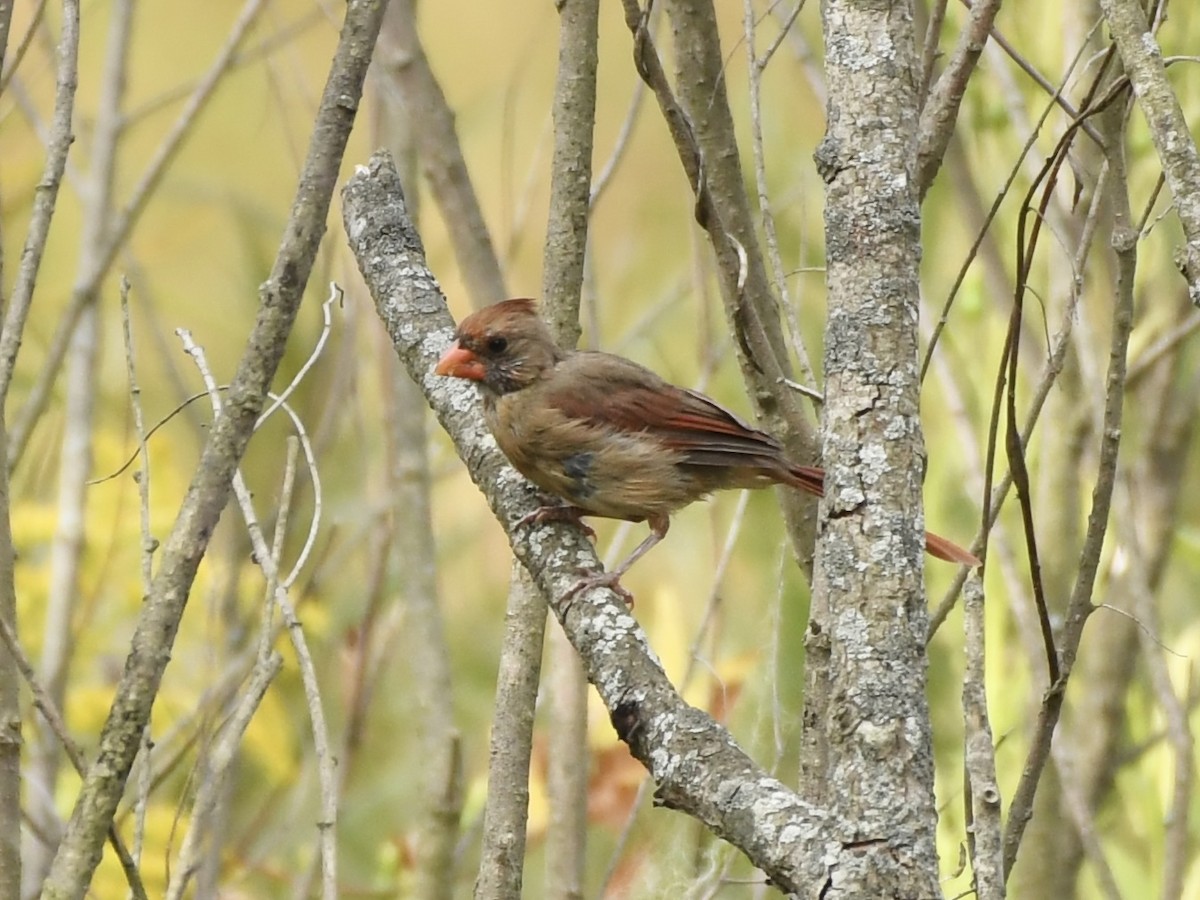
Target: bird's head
(504, 347)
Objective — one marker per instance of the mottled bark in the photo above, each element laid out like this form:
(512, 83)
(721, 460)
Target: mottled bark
(867, 751)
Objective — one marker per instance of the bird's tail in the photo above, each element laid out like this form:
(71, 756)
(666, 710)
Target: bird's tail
(943, 548)
(811, 480)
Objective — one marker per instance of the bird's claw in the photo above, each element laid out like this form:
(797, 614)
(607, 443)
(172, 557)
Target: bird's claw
(556, 514)
(610, 580)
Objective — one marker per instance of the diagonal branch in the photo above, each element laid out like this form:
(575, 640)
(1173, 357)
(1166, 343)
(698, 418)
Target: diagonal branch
(410, 78)
(941, 109)
(699, 768)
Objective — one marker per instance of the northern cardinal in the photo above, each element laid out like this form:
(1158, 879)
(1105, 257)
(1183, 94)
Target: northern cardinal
(609, 436)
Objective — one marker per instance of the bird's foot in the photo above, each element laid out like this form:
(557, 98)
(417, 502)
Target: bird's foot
(557, 513)
(610, 580)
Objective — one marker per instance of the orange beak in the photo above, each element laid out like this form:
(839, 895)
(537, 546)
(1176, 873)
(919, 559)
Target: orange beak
(459, 362)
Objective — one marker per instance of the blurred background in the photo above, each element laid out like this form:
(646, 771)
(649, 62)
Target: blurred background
(722, 599)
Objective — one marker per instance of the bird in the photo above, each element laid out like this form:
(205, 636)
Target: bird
(610, 438)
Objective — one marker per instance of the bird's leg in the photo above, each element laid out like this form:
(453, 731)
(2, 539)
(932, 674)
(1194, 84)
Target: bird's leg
(557, 512)
(612, 580)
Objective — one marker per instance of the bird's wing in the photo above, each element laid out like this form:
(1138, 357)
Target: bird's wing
(614, 392)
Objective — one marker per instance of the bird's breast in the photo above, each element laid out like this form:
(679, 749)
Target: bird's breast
(606, 471)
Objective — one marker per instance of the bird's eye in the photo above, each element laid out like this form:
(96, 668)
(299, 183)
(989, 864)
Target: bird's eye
(497, 343)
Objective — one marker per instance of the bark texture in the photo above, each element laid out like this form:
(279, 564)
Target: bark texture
(866, 752)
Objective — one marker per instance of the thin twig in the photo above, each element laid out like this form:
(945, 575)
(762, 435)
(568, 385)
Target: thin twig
(1001, 194)
(308, 674)
(1169, 129)
(620, 145)
(995, 497)
(939, 112)
(1124, 241)
(9, 65)
(219, 761)
(149, 545)
(1178, 730)
(81, 365)
(984, 824)
(1039, 79)
(930, 53)
(45, 705)
(757, 66)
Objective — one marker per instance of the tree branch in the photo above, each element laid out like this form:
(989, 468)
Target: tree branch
(563, 257)
(701, 127)
(1079, 606)
(698, 767)
(941, 110)
(411, 77)
(865, 702)
(1169, 130)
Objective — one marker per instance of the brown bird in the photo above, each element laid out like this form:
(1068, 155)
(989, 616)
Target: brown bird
(609, 436)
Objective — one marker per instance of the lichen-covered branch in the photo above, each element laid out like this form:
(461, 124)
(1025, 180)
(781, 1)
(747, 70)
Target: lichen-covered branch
(696, 763)
(868, 739)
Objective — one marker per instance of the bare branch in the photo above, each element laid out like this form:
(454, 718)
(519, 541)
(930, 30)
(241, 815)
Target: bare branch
(411, 78)
(701, 127)
(54, 718)
(940, 111)
(984, 825)
(930, 53)
(268, 560)
(116, 233)
(563, 258)
(149, 545)
(1124, 242)
(10, 699)
(75, 456)
(1054, 93)
(757, 66)
(1168, 128)
(218, 764)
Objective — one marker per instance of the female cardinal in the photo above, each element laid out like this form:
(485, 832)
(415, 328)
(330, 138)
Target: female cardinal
(609, 436)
